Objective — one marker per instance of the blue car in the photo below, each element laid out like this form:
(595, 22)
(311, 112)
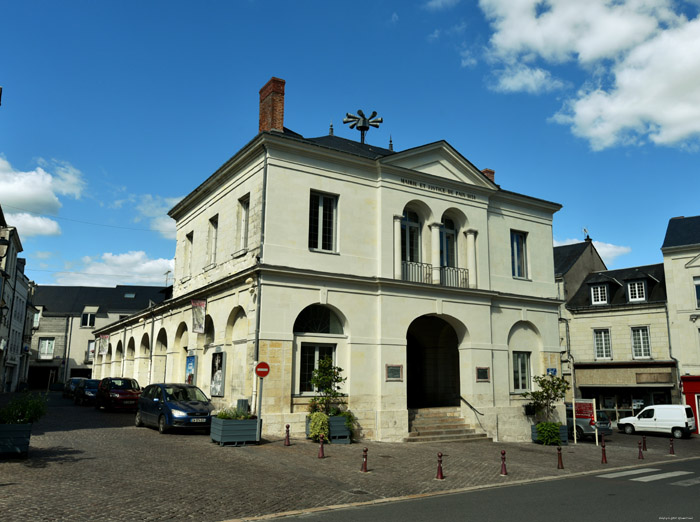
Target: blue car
(167, 406)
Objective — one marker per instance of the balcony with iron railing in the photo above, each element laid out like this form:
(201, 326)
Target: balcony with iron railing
(423, 273)
(455, 277)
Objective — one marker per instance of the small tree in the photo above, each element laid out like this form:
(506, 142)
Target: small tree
(551, 390)
(327, 379)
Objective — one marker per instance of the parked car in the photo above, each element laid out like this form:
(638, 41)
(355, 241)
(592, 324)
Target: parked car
(119, 393)
(69, 386)
(167, 406)
(583, 425)
(675, 419)
(85, 392)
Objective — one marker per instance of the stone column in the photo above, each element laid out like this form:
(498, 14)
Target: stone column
(397, 246)
(435, 251)
(471, 256)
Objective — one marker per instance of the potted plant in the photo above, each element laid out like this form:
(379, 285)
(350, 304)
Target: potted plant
(327, 414)
(236, 426)
(16, 423)
(551, 390)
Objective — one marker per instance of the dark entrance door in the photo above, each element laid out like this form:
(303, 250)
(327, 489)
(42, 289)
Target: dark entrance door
(432, 361)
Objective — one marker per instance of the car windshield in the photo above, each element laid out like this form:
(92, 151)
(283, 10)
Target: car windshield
(603, 417)
(124, 384)
(91, 383)
(184, 393)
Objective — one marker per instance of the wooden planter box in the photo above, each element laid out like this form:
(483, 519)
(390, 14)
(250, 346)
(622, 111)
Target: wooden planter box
(237, 432)
(563, 434)
(14, 439)
(339, 432)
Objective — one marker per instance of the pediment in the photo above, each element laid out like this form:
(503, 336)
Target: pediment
(693, 263)
(440, 159)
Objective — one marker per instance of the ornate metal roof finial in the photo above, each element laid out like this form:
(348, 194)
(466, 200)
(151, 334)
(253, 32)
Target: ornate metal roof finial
(362, 122)
(330, 130)
(391, 143)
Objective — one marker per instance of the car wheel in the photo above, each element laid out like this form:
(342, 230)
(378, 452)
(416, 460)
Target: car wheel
(579, 433)
(137, 420)
(629, 429)
(162, 427)
(678, 433)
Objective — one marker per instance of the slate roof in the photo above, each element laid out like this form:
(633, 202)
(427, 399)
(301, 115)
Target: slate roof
(342, 145)
(682, 231)
(617, 287)
(566, 255)
(71, 300)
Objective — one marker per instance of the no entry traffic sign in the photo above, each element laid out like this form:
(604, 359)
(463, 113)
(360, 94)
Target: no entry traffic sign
(262, 369)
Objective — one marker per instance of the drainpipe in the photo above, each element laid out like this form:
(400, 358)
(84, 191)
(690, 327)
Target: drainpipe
(66, 351)
(258, 291)
(124, 352)
(670, 354)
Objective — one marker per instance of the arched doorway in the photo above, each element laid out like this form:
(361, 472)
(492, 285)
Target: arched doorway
(432, 363)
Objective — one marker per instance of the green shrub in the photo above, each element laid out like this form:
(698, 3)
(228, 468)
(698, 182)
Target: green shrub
(318, 424)
(25, 409)
(548, 433)
(234, 414)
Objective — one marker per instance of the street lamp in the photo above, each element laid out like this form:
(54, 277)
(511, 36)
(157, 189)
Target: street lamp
(4, 245)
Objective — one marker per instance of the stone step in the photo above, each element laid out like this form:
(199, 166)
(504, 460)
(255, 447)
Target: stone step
(438, 431)
(448, 421)
(476, 437)
(434, 412)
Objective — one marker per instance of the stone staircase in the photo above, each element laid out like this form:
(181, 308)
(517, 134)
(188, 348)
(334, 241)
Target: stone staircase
(440, 425)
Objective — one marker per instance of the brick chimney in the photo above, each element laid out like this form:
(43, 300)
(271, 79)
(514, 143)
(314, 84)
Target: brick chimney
(489, 173)
(272, 105)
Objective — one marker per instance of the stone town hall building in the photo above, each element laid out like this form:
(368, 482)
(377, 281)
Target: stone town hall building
(429, 284)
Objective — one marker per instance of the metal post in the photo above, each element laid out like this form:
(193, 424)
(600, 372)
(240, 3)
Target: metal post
(259, 427)
(286, 437)
(439, 476)
(560, 464)
(604, 459)
(321, 455)
(363, 469)
(503, 463)
(671, 452)
(644, 442)
(641, 455)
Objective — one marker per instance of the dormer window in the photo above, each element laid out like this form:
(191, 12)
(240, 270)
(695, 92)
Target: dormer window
(599, 294)
(636, 291)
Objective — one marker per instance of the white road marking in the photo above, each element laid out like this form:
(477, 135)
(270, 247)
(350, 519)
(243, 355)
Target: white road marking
(661, 476)
(689, 482)
(630, 472)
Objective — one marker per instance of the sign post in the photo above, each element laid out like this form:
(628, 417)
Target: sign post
(262, 370)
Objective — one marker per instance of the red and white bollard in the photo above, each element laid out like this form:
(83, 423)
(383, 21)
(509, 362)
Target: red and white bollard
(321, 455)
(503, 463)
(560, 464)
(363, 469)
(644, 442)
(286, 437)
(641, 455)
(440, 476)
(671, 451)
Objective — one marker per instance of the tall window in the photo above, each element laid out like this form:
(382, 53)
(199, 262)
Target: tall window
(91, 350)
(310, 355)
(599, 294)
(46, 348)
(636, 291)
(697, 291)
(322, 222)
(410, 237)
(518, 252)
(448, 243)
(601, 339)
(189, 240)
(641, 349)
(521, 371)
(212, 238)
(243, 213)
(87, 320)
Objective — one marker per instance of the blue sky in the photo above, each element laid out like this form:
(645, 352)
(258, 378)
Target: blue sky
(113, 111)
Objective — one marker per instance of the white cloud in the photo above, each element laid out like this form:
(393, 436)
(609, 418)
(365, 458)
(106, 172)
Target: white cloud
(521, 78)
(112, 269)
(37, 191)
(394, 17)
(607, 251)
(639, 55)
(29, 225)
(153, 209)
(434, 35)
(467, 58)
(436, 5)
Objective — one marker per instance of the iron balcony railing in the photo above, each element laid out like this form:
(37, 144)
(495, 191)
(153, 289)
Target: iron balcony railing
(416, 272)
(452, 276)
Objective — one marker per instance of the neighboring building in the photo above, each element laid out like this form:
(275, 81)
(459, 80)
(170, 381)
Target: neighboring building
(618, 335)
(426, 282)
(63, 343)
(14, 287)
(681, 251)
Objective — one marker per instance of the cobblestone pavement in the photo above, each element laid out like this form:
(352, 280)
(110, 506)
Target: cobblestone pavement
(85, 464)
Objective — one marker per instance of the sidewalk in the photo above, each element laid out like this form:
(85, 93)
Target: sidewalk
(84, 463)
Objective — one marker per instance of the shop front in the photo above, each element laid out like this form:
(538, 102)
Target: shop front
(691, 390)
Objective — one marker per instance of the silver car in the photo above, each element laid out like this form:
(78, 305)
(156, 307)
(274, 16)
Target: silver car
(583, 426)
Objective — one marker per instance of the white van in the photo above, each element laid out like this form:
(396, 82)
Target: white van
(674, 419)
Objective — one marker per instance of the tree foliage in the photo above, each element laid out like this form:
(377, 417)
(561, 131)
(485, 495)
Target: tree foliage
(551, 390)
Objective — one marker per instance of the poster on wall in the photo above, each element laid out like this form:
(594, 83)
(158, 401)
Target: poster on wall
(198, 311)
(190, 369)
(104, 344)
(217, 374)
